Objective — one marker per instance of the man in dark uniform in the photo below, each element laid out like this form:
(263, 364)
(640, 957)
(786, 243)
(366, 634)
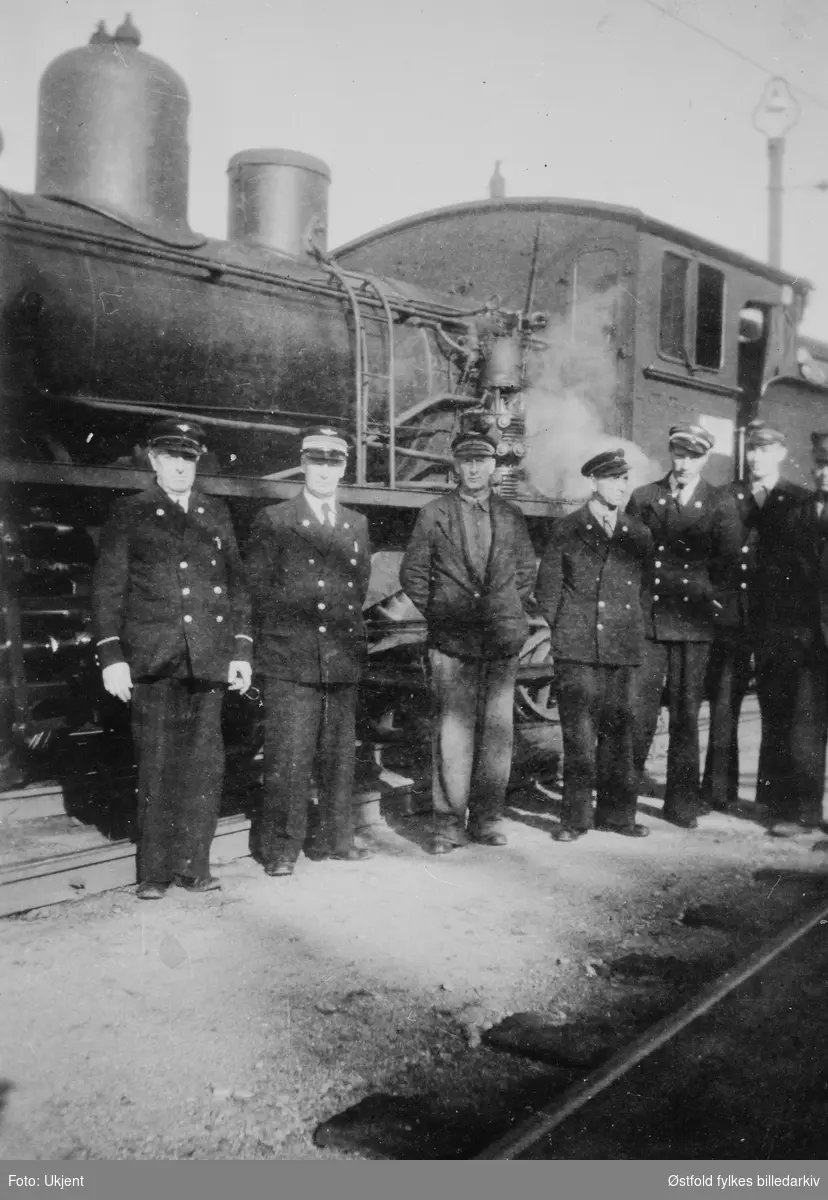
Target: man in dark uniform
(764, 502)
(309, 565)
(590, 590)
(172, 625)
(796, 660)
(470, 569)
(698, 550)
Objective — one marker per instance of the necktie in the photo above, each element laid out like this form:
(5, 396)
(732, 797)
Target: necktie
(328, 515)
(609, 526)
(760, 495)
(822, 503)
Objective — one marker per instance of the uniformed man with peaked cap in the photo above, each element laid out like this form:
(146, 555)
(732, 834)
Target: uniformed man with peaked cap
(591, 591)
(796, 636)
(749, 630)
(470, 570)
(698, 550)
(309, 564)
(172, 622)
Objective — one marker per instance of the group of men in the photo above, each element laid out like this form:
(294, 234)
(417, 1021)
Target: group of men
(679, 587)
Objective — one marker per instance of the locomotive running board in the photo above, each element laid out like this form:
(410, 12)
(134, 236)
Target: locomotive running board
(40, 882)
(44, 881)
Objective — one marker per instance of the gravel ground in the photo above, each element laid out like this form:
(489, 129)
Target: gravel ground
(230, 1025)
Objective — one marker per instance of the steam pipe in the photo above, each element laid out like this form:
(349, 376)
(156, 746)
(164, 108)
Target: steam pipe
(151, 410)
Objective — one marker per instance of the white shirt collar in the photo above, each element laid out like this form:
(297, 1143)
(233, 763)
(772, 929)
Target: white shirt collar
(687, 491)
(315, 505)
(768, 484)
(182, 499)
(602, 514)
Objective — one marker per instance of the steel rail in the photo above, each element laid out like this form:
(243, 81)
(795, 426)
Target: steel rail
(529, 1132)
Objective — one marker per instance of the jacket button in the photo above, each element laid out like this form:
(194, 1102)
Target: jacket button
(602, 604)
(217, 590)
(347, 526)
(201, 510)
(350, 608)
(477, 595)
(626, 606)
(685, 581)
(219, 620)
(589, 527)
(658, 562)
(188, 619)
(185, 591)
(744, 585)
(661, 547)
(657, 581)
(159, 512)
(311, 562)
(350, 584)
(744, 549)
(685, 598)
(320, 606)
(599, 626)
(323, 629)
(212, 562)
(183, 566)
(655, 597)
(353, 562)
(744, 566)
(321, 583)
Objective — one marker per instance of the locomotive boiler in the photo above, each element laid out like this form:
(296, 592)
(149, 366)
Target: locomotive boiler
(568, 325)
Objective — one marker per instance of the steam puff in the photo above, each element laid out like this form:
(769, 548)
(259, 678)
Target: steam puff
(570, 403)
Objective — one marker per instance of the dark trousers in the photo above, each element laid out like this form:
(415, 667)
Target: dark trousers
(728, 679)
(309, 732)
(473, 737)
(792, 682)
(681, 667)
(792, 745)
(176, 733)
(595, 707)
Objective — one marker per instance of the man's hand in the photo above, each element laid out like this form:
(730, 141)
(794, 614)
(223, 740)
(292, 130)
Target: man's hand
(118, 681)
(239, 676)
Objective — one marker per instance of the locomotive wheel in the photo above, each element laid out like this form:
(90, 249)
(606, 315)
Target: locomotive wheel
(536, 702)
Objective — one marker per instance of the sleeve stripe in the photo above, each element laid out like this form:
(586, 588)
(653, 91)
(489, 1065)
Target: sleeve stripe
(245, 636)
(103, 641)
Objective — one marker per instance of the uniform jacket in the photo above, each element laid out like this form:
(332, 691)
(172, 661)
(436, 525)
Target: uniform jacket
(470, 616)
(591, 589)
(308, 583)
(169, 585)
(763, 569)
(800, 609)
(698, 551)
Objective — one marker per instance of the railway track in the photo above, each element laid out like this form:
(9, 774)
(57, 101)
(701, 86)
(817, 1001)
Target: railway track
(746, 1055)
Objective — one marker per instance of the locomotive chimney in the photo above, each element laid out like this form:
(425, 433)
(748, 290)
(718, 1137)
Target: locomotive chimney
(279, 199)
(112, 134)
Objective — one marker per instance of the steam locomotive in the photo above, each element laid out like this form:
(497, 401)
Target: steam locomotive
(563, 324)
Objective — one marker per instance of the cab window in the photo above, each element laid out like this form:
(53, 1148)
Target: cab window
(675, 272)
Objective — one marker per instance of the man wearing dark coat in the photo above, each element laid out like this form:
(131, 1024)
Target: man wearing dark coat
(172, 622)
(470, 569)
(591, 591)
(698, 551)
(796, 632)
(764, 502)
(309, 564)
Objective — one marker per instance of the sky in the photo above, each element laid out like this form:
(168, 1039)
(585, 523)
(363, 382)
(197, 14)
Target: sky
(619, 101)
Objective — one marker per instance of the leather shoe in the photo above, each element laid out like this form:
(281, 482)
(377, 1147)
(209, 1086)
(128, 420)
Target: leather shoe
(683, 822)
(352, 854)
(634, 831)
(281, 866)
(568, 835)
(787, 829)
(439, 843)
(198, 883)
(151, 891)
(488, 837)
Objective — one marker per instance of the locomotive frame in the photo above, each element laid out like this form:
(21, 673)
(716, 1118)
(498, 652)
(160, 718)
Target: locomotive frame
(569, 324)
